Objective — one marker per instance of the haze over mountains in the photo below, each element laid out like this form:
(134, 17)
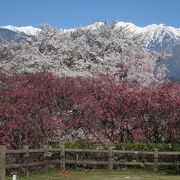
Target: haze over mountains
(155, 38)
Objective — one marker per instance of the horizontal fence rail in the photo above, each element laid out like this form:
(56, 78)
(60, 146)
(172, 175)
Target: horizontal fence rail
(109, 158)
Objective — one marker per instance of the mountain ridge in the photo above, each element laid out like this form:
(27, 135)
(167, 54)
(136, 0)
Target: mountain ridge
(156, 37)
(29, 30)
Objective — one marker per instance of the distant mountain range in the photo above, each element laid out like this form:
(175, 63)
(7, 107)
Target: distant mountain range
(158, 38)
(161, 38)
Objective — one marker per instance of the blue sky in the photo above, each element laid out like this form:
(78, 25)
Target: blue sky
(73, 13)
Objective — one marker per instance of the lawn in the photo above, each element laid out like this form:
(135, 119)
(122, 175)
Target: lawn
(100, 175)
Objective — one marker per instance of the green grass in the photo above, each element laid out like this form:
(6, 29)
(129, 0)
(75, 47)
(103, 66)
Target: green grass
(100, 175)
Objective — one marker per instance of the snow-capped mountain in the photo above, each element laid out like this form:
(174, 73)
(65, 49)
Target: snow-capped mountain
(7, 35)
(155, 37)
(16, 34)
(29, 30)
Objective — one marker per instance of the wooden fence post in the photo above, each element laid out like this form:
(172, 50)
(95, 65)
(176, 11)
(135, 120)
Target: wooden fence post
(77, 157)
(45, 147)
(155, 159)
(2, 162)
(62, 157)
(110, 156)
(26, 156)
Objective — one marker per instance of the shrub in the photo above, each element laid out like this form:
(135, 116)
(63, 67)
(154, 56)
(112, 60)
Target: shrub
(139, 146)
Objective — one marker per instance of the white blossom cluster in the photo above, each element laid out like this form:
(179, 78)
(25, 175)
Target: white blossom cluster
(83, 52)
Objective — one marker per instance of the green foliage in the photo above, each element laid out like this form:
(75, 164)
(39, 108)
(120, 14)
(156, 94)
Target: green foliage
(124, 146)
(78, 145)
(147, 146)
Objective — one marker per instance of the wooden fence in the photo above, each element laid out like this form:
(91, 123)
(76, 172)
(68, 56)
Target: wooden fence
(63, 160)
